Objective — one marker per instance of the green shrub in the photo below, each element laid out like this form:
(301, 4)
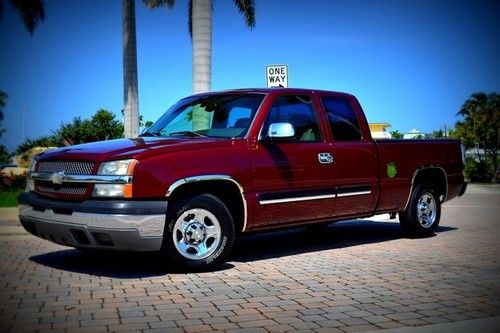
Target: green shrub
(10, 189)
(477, 171)
(9, 199)
(44, 141)
(13, 182)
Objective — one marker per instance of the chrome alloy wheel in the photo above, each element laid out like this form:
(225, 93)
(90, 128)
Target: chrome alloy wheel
(196, 234)
(426, 210)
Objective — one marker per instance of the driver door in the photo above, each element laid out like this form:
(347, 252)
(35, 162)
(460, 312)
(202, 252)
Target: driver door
(292, 175)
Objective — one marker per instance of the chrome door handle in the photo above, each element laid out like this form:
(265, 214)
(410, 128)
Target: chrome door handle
(325, 158)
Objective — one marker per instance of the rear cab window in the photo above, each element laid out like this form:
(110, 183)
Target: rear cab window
(342, 119)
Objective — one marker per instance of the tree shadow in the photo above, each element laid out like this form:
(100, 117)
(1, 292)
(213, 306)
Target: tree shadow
(317, 238)
(248, 248)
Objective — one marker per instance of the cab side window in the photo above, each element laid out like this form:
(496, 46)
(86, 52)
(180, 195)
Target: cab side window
(342, 119)
(298, 111)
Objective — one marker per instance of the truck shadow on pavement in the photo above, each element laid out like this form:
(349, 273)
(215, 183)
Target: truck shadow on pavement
(247, 248)
(120, 265)
(317, 238)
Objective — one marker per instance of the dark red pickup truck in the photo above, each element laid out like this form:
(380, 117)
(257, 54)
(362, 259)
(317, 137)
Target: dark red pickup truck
(218, 164)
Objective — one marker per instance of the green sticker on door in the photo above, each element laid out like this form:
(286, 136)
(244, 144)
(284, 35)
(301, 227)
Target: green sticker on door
(392, 170)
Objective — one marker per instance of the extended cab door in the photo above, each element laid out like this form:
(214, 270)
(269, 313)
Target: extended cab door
(355, 160)
(292, 175)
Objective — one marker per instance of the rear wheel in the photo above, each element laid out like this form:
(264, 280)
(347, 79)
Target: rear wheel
(421, 217)
(199, 233)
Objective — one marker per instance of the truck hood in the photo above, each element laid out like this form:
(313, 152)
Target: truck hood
(127, 148)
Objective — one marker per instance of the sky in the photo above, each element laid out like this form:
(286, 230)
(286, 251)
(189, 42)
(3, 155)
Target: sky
(410, 63)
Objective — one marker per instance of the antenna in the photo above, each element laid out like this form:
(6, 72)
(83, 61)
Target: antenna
(23, 130)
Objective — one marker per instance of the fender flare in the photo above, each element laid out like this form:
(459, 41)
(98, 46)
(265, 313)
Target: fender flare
(415, 174)
(201, 178)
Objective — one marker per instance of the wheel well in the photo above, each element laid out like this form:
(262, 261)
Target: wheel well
(226, 191)
(435, 176)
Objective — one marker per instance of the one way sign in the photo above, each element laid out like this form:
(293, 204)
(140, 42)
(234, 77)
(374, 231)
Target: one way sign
(277, 76)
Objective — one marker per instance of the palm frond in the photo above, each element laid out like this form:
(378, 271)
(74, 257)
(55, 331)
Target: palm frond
(1, 9)
(31, 12)
(153, 4)
(3, 98)
(476, 102)
(247, 9)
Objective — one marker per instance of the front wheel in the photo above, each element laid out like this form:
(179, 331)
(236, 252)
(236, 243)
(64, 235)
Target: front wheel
(422, 215)
(199, 233)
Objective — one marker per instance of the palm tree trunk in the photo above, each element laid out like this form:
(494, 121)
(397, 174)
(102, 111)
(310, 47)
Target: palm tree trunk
(202, 45)
(130, 85)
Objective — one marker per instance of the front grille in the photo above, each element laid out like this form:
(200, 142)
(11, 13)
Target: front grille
(69, 167)
(71, 190)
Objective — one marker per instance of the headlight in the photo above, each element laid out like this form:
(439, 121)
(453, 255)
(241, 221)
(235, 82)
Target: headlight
(115, 168)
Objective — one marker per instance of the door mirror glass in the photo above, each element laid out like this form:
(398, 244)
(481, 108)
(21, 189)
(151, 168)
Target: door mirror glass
(281, 131)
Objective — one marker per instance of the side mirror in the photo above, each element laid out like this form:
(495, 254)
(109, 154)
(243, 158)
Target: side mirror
(281, 131)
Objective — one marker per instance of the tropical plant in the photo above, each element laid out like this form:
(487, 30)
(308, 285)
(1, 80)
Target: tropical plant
(143, 124)
(130, 82)
(477, 170)
(437, 134)
(12, 182)
(102, 126)
(10, 187)
(30, 11)
(44, 141)
(480, 127)
(4, 154)
(396, 134)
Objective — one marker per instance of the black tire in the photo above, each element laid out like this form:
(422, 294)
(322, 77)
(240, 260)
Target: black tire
(421, 217)
(199, 233)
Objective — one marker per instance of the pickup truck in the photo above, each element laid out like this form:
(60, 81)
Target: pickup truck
(223, 163)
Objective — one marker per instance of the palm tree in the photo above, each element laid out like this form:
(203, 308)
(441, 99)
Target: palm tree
(200, 28)
(130, 84)
(31, 12)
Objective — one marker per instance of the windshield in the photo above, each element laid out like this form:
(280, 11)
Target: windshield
(224, 115)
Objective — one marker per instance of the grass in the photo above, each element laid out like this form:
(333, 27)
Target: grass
(9, 199)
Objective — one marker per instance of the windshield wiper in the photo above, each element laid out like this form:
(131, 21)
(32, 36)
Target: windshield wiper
(151, 134)
(190, 134)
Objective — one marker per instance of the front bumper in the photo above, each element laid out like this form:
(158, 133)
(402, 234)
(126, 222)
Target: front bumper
(95, 224)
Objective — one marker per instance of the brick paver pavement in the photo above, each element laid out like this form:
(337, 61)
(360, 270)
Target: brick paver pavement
(353, 276)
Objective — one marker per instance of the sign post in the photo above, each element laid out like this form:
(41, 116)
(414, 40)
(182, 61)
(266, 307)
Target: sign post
(277, 76)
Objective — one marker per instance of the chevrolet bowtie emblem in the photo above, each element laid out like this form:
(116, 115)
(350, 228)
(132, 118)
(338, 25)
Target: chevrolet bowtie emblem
(57, 177)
